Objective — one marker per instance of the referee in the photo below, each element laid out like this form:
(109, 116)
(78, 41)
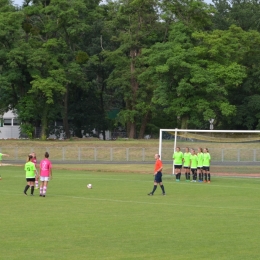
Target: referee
(157, 175)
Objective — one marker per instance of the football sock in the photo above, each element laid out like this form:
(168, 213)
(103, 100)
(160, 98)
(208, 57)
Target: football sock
(208, 176)
(26, 188)
(179, 175)
(32, 189)
(200, 176)
(44, 190)
(186, 175)
(36, 184)
(154, 188)
(162, 187)
(195, 175)
(41, 190)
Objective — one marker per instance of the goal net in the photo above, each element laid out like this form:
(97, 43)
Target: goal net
(232, 151)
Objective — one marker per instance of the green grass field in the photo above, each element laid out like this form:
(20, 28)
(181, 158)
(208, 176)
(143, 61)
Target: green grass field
(117, 220)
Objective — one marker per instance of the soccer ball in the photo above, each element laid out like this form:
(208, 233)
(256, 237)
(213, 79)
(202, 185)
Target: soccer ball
(89, 186)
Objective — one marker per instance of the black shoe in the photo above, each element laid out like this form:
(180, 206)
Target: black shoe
(32, 195)
(150, 194)
(163, 194)
(40, 195)
(43, 195)
(25, 193)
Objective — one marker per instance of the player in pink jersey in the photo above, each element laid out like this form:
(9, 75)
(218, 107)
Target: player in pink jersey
(34, 160)
(45, 174)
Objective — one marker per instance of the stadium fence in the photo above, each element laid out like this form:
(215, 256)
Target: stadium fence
(125, 155)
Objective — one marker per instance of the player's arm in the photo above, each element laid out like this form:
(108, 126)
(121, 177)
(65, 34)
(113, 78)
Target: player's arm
(51, 173)
(160, 169)
(34, 170)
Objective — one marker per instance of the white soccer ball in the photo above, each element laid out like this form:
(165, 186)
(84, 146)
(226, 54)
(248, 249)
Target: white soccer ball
(89, 186)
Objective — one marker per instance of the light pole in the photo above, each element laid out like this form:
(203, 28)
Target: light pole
(211, 121)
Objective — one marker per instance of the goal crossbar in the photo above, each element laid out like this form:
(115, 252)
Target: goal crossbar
(182, 131)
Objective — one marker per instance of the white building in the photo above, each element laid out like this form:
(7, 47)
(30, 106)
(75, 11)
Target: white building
(11, 126)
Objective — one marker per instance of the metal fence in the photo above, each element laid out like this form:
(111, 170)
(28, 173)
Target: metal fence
(122, 154)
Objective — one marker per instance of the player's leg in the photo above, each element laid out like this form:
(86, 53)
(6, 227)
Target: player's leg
(36, 181)
(45, 185)
(186, 173)
(195, 175)
(199, 173)
(41, 186)
(154, 188)
(205, 174)
(26, 187)
(209, 177)
(162, 187)
(32, 183)
(176, 172)
(192, 174)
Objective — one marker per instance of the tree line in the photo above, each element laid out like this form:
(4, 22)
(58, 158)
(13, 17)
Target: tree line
(157, 63)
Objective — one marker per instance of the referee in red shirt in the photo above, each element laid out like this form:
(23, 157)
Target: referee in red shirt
(157, 175)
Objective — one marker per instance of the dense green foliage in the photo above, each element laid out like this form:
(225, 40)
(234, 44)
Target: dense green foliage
(161, 64)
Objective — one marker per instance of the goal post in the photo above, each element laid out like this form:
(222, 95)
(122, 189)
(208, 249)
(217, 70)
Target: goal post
(227, 146)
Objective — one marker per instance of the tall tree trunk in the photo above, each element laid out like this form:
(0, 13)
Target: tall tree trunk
(134, 86)
(44, 123)
(132, 129)
(65, 113)
(184, 122)
(100, 81)
(143, 125)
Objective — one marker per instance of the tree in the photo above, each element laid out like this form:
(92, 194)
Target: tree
(57, 62)
(134, 25)
(12, 56)
(194, 72)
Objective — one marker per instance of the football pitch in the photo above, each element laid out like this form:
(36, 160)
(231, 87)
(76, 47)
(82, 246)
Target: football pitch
(117, 220)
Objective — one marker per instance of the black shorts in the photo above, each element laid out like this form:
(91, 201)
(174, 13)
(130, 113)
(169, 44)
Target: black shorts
(30, 179)
(199, 168)
(177, 166)
(206, 168)
(186, 167)
(158, 177)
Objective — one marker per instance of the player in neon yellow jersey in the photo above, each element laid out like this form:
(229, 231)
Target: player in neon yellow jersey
(1, 157)
(200, 164)
(30, 170)
(206, 164)
(193, 165)
(178, 160)
(186, 163)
